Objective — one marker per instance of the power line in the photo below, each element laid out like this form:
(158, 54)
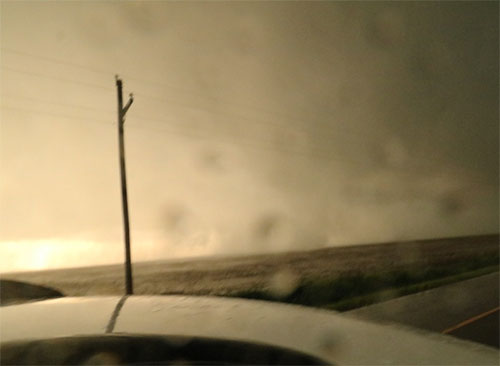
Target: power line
(57, 103)
(170, 86)
(89, 120)
(367, 138)
(256, 144)
(59, 62)
(213, 112)
(190, 92)
(252, 120)
(259, 141)
(37, 74)
(167, 100)
(144, 118)
(107, 72)
(134, 126)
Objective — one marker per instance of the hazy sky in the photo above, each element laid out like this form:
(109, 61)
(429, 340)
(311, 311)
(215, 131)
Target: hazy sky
(256, 126)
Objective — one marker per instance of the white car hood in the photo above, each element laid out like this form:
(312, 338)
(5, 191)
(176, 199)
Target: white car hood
(331, 336)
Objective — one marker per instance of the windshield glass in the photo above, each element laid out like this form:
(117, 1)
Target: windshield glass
(328, 154)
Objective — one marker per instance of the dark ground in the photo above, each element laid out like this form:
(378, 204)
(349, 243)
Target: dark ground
(227, 275)
(12, 292)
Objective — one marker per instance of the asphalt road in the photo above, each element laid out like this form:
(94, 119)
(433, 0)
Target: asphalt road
(484, 329)
(467, 310)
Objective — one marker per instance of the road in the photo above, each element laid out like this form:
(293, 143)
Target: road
(482, 328)
(467, 310)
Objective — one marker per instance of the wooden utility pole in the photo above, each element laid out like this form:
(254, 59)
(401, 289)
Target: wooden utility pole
(121, 121)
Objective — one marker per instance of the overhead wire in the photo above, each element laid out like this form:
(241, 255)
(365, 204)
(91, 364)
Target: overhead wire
(169, 100)
(44, 101)
(151, 97)
(241, 139)
(56, 61)
(252, 120)
(246, 139)
(232, 104)
(184, 105)
(173, 101)
(256, 144)
(70, 117)
(140, 80)
(68, 105)
(37, 74)
(131, 77)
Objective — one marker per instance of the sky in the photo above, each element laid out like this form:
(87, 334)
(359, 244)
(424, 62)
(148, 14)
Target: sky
(256, 126)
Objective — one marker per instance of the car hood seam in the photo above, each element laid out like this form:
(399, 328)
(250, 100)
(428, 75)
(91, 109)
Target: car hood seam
(116, 312)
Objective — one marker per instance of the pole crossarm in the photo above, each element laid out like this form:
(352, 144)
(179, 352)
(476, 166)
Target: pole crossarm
(127, 106)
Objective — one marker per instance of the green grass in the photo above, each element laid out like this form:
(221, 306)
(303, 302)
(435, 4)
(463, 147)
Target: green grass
(372, 298)
(354, 290)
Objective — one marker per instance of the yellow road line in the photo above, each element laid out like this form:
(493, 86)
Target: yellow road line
(471, 320)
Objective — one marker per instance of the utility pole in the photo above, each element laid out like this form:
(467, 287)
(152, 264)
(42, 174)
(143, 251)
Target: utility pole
(121, 121)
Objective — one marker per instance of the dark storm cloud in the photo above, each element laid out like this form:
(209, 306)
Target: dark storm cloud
(314, 123)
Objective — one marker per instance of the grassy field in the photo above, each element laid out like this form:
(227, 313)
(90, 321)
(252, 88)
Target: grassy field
(351, 291)
(339, 278)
